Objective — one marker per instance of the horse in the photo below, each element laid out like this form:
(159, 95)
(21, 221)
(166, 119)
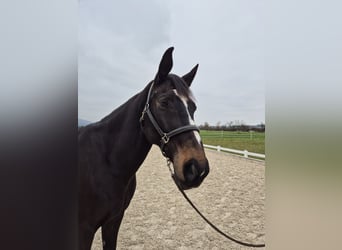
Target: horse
(111, 151)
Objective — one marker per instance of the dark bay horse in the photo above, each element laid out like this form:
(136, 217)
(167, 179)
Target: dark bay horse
(111, 150)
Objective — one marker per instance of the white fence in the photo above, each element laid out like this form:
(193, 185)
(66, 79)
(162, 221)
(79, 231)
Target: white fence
(245, 153)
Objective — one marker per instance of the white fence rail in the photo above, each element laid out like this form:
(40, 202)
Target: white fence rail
(245, 153)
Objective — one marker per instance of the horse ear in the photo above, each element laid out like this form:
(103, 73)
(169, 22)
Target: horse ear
(189, 77)
(165, 65)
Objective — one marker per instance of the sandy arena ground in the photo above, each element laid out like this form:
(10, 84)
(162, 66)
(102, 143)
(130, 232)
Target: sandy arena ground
(232, 197)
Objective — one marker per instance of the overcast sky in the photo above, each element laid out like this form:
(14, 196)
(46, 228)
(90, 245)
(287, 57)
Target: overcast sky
(121, 44)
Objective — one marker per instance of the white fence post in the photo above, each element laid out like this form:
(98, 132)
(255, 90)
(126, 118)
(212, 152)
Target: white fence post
(245, 153)
(219, 148)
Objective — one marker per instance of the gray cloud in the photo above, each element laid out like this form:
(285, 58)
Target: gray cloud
(121, 44)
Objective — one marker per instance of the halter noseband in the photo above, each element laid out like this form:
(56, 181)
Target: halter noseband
(164, 136)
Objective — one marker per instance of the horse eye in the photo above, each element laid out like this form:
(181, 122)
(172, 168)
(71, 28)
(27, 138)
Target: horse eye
(164, 103)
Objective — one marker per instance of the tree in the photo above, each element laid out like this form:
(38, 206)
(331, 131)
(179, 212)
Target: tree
(218, 125)
(206, 126)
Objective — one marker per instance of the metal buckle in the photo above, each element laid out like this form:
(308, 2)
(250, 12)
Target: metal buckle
(144, 112)
(165, 138)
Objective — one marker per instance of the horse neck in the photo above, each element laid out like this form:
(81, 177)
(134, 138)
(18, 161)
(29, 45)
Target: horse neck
(127, 143)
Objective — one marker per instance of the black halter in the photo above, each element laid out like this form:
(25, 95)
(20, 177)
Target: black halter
(165, 136)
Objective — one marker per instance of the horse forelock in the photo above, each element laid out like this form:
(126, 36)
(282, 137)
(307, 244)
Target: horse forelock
(181, 86)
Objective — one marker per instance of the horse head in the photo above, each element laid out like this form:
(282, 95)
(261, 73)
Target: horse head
(169, 123)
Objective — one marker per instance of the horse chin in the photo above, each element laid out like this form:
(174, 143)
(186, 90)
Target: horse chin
(183, 186)
(186, 187)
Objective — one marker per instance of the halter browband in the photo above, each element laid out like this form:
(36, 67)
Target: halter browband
(165, 136)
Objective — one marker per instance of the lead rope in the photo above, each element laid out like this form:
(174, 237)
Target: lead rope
(168, 162)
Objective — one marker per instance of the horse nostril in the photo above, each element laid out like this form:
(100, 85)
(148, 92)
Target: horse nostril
(203, 173)
(191, 171)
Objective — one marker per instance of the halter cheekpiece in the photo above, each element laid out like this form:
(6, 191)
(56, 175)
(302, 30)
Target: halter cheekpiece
(164, 136)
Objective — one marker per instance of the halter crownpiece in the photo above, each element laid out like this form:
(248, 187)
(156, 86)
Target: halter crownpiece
(164, 136)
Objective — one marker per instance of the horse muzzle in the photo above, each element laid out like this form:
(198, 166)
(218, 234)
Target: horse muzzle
(194, 173)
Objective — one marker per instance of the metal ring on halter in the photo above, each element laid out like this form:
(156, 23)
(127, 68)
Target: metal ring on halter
(165, 138)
